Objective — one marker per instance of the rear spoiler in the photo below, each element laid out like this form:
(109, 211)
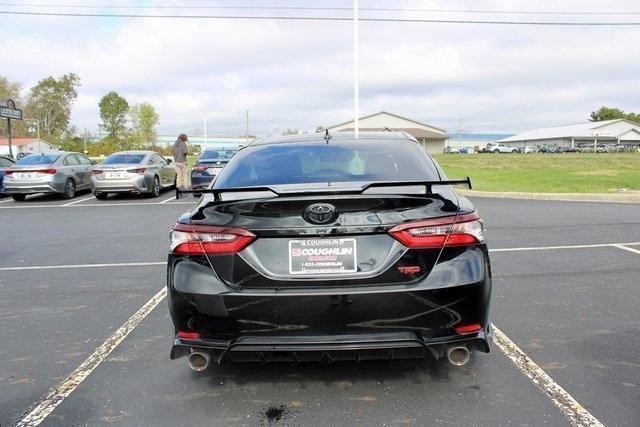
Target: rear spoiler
(329, 191)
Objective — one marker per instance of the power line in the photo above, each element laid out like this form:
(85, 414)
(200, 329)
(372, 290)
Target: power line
(369, 9)
(320, 18)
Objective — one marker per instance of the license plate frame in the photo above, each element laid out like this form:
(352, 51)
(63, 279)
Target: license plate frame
(323, 256)
(115, 175)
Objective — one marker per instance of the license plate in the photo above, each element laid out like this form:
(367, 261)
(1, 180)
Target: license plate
(25, 175)
(322, 256)
(115, 175)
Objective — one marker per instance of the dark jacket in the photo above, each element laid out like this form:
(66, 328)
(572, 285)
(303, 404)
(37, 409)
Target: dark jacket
(179, 151)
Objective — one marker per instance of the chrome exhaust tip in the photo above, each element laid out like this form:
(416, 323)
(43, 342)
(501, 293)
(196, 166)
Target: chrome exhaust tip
(458, 355)
(199, 361)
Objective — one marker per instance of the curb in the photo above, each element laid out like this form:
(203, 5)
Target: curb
(633, 197)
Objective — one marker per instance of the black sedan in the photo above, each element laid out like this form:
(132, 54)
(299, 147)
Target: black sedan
(209, 164)
(319, 248)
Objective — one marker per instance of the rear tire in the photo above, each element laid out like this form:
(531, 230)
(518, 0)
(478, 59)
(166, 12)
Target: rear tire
(19, 197)
(155, 190)
(69, 190)
(101, 196)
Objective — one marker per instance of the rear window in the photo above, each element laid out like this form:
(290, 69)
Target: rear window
(123, 158)
(38, 159)
(334, 162)
(217, 154)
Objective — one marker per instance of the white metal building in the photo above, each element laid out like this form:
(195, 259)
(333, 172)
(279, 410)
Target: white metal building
(26, 145)
(431, 138)
(618, 131)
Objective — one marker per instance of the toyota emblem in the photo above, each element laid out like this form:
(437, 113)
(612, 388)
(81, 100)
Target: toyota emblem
(320, 213)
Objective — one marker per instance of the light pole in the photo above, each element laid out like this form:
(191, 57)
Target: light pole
(204, 118)
(37, 123)
(100, 126)
(246, 114)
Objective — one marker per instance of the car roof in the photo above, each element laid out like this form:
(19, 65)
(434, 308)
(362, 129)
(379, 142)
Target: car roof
(134, 152)
(335, 137)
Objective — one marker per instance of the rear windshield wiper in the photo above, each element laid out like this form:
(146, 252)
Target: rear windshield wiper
(329, 191)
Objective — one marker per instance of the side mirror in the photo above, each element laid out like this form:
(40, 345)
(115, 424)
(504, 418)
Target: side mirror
(168, 161)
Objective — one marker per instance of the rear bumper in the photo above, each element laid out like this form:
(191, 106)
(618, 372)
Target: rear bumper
(417, 317)
(33, 187)
(355, 347)
(199, 182)
(133, 185)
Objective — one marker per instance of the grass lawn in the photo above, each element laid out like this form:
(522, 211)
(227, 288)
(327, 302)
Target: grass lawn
(546, 173)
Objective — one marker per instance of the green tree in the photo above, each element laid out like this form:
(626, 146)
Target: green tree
(144, 120)
(607, 113)
(113, 112)
(50, 102)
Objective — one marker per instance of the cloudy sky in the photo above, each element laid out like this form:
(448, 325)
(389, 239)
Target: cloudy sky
(299, 74)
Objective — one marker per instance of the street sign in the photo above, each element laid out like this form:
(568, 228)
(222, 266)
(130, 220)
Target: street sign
(8, 110)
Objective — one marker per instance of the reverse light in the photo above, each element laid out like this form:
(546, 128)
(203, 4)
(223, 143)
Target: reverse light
(186, 239)
(460, 230)
(468, 329)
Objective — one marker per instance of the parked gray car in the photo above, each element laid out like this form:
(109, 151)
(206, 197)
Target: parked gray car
(60, 173)
(135, 171)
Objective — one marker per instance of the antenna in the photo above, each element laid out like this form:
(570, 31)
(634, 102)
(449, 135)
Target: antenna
(326, 136)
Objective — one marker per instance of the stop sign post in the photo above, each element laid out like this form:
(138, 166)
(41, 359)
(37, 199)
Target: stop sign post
(9, 111)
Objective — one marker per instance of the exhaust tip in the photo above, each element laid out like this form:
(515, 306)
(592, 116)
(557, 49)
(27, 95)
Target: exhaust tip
(199, 361)
(458, 355)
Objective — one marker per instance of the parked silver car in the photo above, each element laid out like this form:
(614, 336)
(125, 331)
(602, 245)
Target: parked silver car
(136, 172)
(61, 173)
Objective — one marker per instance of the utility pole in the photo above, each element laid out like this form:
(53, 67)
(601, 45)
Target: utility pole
(356, 60)
(84, 138)
(9, 139)
(204, 118)
(246, 132)
(37, 123)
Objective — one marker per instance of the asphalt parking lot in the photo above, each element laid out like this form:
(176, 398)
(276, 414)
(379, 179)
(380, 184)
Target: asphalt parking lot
(73, 272)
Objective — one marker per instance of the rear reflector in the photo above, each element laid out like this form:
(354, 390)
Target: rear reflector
(208, 240)
(460, 230)
(468, 329)
(188, 335)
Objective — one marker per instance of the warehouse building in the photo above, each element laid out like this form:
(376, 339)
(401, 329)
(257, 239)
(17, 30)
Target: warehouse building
(26, 145)
(618, 131)
(430, 137)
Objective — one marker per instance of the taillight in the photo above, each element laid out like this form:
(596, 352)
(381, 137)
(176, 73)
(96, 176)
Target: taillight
(199, 168)
(454, 230)
(48, 171)
(96, 172)
(8, 172)
(208, 240)
(139, 171)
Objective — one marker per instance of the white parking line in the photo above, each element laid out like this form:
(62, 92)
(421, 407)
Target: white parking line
(8, 200)
(93, 205)
(547, 248)
(626, 248)
(39, 411)
(168, 200)
(576, 413)
(60, 267)
(79, 201)
(42, 408)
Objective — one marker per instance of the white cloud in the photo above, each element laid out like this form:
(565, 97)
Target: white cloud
(299, 74)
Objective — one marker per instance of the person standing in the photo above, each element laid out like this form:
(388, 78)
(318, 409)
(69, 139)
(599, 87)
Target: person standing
(179, 150)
